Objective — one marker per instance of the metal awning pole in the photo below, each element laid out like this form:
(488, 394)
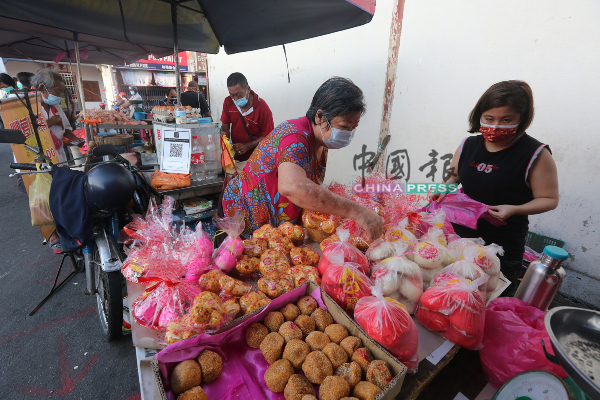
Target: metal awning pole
(80, 86)
(176, 49)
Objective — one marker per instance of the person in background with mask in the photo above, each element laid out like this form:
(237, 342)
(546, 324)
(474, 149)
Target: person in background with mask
(170, 98)
(25, 79)
(505, 168)
(126, 105)
(246, 118)
(7, 84)
(285, 172)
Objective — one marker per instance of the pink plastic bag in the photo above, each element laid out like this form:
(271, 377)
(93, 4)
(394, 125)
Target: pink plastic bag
(232, 247)
(461, 209)
(512, 341)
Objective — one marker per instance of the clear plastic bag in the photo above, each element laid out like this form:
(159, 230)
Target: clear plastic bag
(346, 284)
(389, 323)
(400, 279)
(39, 204)
(431, 254)
(485, 257)
(463, 269)
(232, 247)
(339, 253)
(318, 225)
(456, 309)
(381, 249)
(456, 244)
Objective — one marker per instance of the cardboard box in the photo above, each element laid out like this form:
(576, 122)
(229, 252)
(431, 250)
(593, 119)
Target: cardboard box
(397, 369)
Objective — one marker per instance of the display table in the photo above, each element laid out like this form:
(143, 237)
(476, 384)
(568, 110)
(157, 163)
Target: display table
(117, 126)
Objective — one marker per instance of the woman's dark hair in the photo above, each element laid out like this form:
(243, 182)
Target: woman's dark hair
(7, 80)
(515, 94)
(336, 97)
(237, 78)
(169, 92)
(25, 79)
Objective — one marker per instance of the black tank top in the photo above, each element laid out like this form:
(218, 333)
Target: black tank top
(496, 178)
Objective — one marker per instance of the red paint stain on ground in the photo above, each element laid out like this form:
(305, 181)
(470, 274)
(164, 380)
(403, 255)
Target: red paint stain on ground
(135, 397)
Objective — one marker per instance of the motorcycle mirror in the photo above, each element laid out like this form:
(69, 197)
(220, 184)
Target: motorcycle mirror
(13, 136)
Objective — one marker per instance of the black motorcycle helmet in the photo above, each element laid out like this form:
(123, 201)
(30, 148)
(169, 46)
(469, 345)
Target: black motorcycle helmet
(108, 187)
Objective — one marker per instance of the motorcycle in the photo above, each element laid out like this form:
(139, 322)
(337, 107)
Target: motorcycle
(111, 183)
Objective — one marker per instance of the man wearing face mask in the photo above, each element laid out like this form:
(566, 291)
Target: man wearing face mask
(285, 173)
(246, 118)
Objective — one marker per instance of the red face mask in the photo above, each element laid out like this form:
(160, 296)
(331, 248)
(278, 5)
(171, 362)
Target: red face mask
(497, 133)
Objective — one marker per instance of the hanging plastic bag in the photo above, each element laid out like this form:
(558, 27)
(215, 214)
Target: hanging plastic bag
(342, 252)
(401, 279)
(512, 341)
(346, 285)
(232, 247)
(39, 204)
(389, 323)
(456, 309)
(463, 210)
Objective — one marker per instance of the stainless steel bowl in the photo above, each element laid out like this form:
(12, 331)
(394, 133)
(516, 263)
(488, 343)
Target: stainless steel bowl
(575, 336)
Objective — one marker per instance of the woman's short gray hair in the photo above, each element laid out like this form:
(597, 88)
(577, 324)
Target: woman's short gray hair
(47, 77)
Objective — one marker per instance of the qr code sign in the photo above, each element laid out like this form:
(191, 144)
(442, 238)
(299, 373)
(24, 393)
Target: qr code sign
(176, 149)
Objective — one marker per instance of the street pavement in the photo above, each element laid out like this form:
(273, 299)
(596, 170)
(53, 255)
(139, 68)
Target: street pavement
(59, 352)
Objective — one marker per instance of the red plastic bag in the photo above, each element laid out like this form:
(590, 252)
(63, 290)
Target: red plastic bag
(346, 285)
(456, 309)
(463, 210)
(339, 253)
(389, 323)
(512, 341)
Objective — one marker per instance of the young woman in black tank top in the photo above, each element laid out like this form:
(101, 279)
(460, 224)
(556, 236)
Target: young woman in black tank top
(511, 172)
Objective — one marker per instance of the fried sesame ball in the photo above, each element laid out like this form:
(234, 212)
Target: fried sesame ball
(278, 374)
(351, 372)
(317, 367)
(309, 397)
(362, 357)
(348, 398)
(274, 320)
(322, 318)
(350, 344)
(333, 388)
(289, 331)
(336, 354)
(307, 305)
(255, 334)
(317, 340)
(379, 374)
(295, 352)
(211, 364)
(299, 388)
(336, 333)
(305, 323)
(290, 312)
(185, 376)
(365, 391)
(272, 347)
(195, 393)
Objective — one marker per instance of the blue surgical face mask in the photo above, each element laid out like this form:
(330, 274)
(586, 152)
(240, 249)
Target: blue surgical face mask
(132, 92)
(339, 138)
(52, 100)
(19, 85)
(241, 102)
(7, 89)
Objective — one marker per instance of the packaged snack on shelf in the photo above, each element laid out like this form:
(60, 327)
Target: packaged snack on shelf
(389, 323)
(456, 309)
(318, 225)
(346, 284)
(232, 247)
(401, 279)
(342, 252)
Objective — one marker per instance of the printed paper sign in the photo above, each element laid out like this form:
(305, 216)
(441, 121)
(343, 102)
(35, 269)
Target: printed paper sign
(176, 151)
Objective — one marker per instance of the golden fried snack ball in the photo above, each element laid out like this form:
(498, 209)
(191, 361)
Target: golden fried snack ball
(289, 331)
(209, 282)
(185, 376)
(365, 391)
(379, 374)
(317, 367)
(336, 333)
(253, 301)
(307, 305)
(255, 335)
(211, 364)
(306, 324)
(351, 372)
(362, 357)
(309, 397)
(317, 340)
(272, 347)
(264, 232)
(298, 388)
(336, 354)
(278, 374)
(274, 320)
(295, 352)
(322, 318)
(333, 388)
(350, 344)
(348, 398)
(290, 312)
(196, 393)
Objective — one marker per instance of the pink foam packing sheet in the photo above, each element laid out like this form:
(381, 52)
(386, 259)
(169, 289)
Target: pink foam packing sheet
(243, 367)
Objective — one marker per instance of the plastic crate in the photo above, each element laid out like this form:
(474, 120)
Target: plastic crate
(537, 242)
